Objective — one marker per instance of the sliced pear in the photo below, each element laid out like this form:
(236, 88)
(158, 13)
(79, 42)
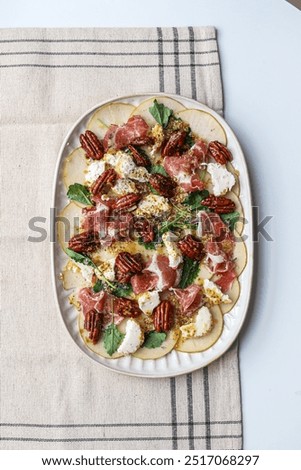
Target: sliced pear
(98, 348)
(204, 273)
(233, 293)
(73, 300)
(238, 207)
(235, 173)
(97, 126)
(68, 223)
(204, 125)
(71, 276)
(74, 167)
(143, 108)
(240, 254)
(111, 113)
(165, 348)
(193, 345)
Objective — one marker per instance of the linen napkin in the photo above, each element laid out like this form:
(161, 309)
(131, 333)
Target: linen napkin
(52, 395)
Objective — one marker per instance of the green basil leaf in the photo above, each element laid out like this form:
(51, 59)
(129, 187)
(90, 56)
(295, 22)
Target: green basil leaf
(122, 290)
(161, 113)
(116, 288)
(78, 192)
(112, 339)
(98, 286)
(230, 219)
(189, 140)
(194, 200)
(79, 257)
(190, 271)
(152, 190)
(148, 245)
(158, 169)
(154, 339)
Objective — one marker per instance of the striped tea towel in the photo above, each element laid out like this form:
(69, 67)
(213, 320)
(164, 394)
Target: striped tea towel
(52, 395)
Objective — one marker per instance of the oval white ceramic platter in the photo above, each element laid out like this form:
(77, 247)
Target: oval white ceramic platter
(174, 363)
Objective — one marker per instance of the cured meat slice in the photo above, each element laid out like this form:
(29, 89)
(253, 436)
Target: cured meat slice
(134, 132)
(183, 169)
(192, 185)
(108, 309)
(110, 228)
(90, 300)
(96, 218)
(166, 275)
(219, 247)
(144, 282)
(184, 164)
(199, 150)
(217, 259)
(189, 299)
(210, 223)
(157, 275)
(102, 302)
(109, 138)
(226, 279)
(118, 228)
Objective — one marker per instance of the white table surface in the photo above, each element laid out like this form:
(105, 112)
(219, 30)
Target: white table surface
(260, 42)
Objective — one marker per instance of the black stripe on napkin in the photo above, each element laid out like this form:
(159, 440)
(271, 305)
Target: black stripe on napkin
(114, 425)
(103, 41)
(207, 407)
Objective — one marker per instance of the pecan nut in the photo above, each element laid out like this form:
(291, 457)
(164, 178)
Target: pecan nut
(191, 247)
(85, 242)
(139, 158)
(126, 203)
(127, 307)
(174, 144)
(219, 152)
(164, 185)
(219, 204)
(145, 230)
(108, 177)
(163, 316)
(125, 263)
(92, 324)
(123, 278)
(91, 145)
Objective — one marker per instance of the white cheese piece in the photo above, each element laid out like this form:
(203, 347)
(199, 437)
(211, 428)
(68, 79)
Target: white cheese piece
(105, 265)
(222, 179)
(203, 322)
(109, 272)
(174, 254)
(201, 326)
(147, 301)
(95, 169)
(188, 331)
(199, 229)
(86, 271)
(139, 174)
(133, 338)
(126, 167)
(111, 159)
(124, 186)
(153, 205)
(214, 294)
(125, 164)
